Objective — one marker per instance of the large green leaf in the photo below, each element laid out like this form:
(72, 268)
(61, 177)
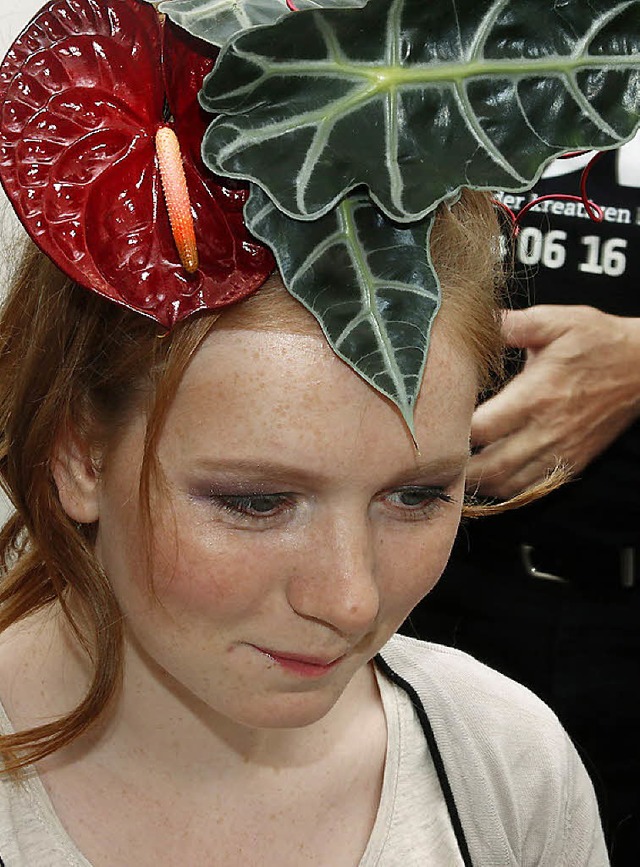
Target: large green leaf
(415, 98)
(219, 20)
(368, 282)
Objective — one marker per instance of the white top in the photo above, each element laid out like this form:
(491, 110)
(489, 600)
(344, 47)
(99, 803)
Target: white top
(522, 794)
(411, 806)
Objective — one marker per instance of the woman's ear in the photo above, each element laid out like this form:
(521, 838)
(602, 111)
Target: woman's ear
(76, 474)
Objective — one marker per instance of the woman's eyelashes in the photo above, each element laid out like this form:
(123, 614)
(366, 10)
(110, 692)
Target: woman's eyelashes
(259, 506)
(414, 502)
(411, 502)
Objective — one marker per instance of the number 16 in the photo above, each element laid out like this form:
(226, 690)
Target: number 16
(606, 258)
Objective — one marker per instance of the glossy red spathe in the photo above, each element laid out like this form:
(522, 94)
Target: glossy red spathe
(83, 91)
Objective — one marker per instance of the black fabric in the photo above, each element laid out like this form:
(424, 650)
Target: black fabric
(596, 566)
(604, 502)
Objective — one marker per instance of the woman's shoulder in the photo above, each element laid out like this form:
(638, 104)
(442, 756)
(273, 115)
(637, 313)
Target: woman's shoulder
(515, 775)
(463, 696)
(441, 674)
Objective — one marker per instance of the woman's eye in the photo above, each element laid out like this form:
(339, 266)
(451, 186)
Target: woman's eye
(417, 500)
(253, 505)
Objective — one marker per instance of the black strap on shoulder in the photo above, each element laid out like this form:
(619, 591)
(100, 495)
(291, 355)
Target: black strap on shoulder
(435, 755)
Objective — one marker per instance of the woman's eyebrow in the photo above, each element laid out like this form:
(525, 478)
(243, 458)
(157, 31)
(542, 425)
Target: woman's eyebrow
(262, 469)
(447, 467)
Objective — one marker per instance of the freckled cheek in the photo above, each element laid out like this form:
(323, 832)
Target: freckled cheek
(230, 579)
(416, 568)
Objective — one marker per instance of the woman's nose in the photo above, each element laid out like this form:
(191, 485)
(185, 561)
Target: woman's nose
(336, 583)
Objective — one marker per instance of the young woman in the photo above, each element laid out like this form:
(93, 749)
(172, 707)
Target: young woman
(218, 529)
(285, 528)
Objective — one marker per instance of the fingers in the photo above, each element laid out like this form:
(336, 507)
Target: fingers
(517, 440)
(503, 414)
(536, 326)
(511, 409)
(510, 465)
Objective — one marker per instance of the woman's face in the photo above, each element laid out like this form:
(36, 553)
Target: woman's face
(298, 525)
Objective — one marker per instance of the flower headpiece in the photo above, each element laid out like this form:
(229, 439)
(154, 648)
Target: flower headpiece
(328, 130)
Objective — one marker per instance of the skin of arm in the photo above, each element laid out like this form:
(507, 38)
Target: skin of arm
(578, 390)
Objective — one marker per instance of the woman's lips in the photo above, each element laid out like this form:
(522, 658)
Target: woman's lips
(305, 666)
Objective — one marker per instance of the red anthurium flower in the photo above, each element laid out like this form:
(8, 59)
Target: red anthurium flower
(83, 92)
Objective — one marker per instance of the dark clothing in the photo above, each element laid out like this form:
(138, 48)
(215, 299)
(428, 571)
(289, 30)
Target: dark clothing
(575, 642)
(600, 268)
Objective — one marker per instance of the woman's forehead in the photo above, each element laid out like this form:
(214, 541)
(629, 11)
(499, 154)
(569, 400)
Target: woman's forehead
(250, 391)
(273, 309)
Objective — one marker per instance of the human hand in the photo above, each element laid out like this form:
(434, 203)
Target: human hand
(578, 390)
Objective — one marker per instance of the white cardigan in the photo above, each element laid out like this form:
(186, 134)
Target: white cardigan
(521, 792)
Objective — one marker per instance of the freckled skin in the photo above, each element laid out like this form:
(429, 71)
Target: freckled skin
(334, 574)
